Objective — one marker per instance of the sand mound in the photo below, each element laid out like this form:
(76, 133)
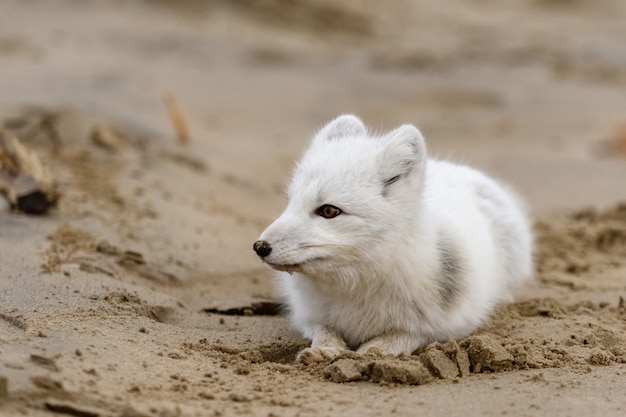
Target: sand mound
(105, 285)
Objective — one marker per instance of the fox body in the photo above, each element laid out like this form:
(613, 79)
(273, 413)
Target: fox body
(382, 248)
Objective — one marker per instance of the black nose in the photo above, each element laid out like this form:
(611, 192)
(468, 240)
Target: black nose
(262, 248)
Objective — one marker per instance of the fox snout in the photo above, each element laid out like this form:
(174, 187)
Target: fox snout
(262, 248)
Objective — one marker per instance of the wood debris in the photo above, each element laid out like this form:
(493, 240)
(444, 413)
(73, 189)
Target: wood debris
(26, 183)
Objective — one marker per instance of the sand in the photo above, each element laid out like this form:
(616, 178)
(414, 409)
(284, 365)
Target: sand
(140, 295)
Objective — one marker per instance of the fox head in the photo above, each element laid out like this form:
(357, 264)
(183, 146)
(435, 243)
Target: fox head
(350, 200)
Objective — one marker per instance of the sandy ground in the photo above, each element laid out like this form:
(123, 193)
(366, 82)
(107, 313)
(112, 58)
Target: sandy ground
(139, 295)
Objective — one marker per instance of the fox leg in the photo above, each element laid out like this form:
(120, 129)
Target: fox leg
(392, 343)
(327, 344)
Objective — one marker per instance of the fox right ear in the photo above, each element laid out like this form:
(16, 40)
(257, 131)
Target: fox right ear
(404, 152)
(343, 126)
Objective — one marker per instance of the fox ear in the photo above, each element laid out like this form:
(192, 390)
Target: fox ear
(403, 154)
(343, 126)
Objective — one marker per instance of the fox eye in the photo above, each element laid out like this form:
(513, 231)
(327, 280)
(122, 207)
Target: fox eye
(327, 211)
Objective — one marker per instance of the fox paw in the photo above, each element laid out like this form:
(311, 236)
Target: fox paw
(318, 354)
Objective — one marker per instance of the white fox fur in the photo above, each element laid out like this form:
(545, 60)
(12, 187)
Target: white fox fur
(421, 251)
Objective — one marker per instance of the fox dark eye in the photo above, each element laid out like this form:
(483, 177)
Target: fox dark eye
(327, 211)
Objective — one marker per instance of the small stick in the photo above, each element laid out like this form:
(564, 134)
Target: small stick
(178, 118)
(26, 183)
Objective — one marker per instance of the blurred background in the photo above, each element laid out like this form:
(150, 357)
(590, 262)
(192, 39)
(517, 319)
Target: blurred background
(532, 90)
(171, 129)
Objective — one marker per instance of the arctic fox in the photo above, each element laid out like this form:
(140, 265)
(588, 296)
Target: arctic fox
(382, 248)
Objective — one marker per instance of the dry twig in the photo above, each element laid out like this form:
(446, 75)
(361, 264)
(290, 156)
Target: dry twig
(178, 118)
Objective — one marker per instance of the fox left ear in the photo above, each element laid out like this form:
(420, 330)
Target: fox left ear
(403, 154)
(343, 126)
